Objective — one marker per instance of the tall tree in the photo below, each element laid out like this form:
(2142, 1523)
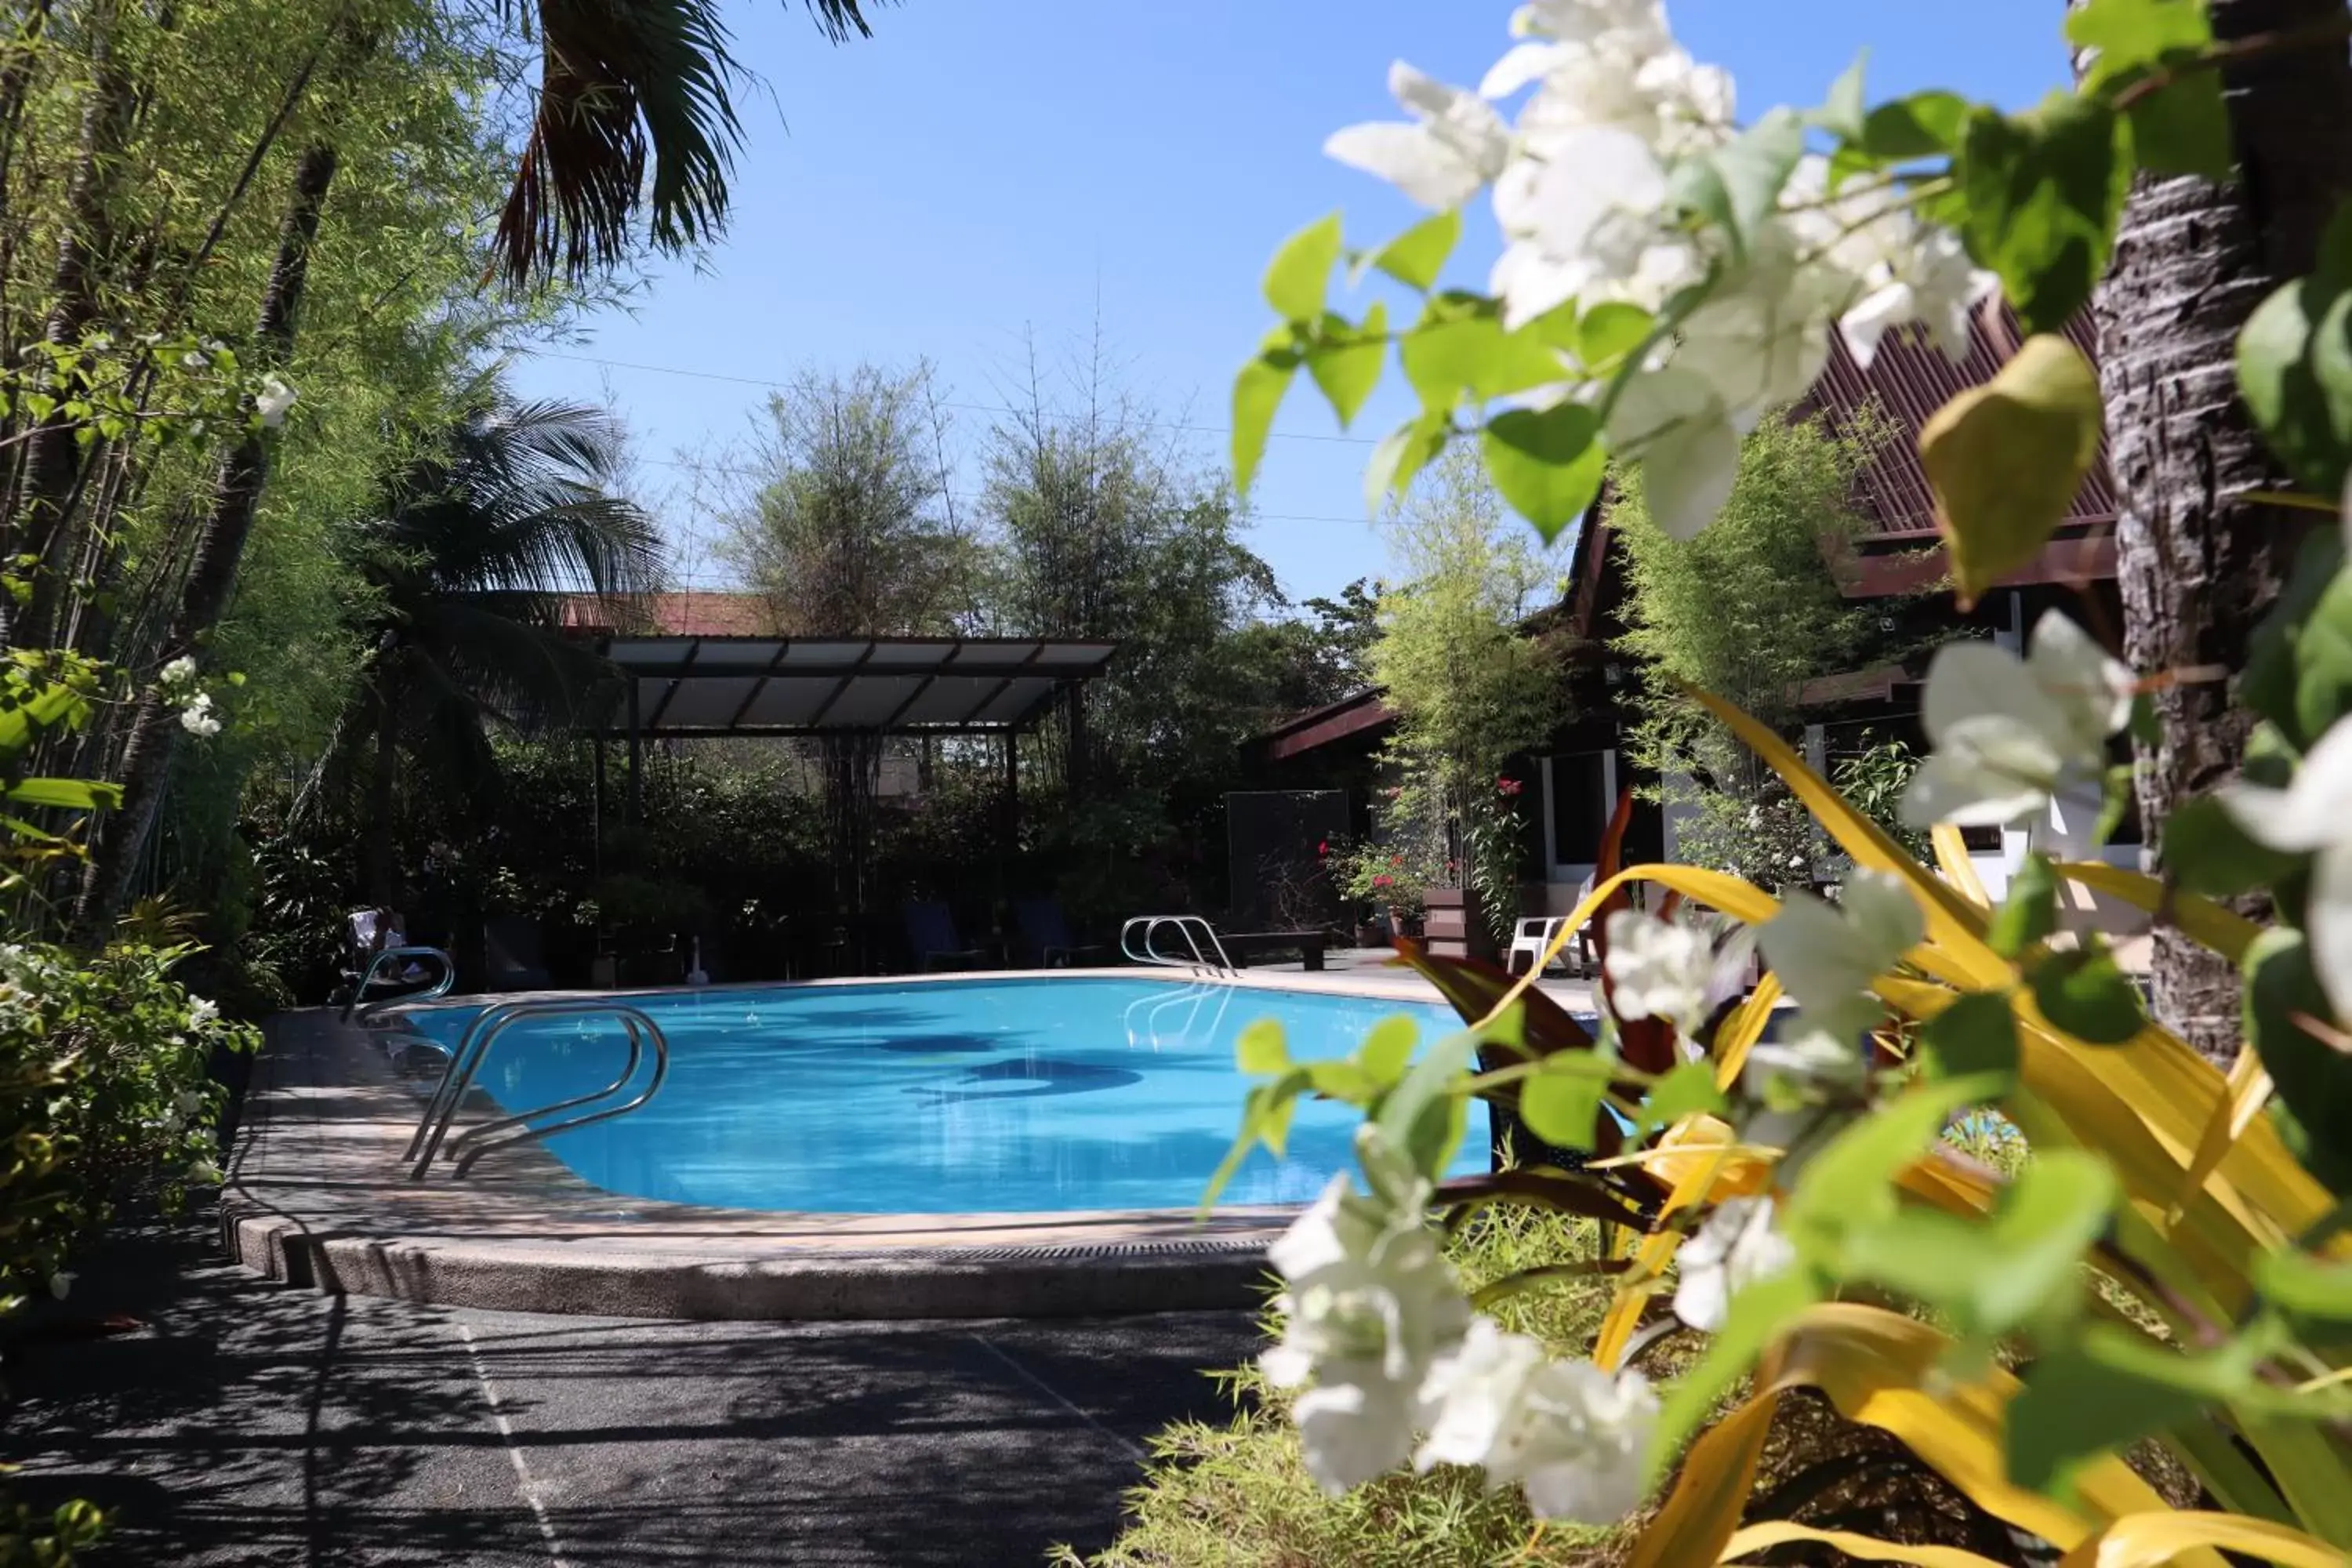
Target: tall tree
(469, 559)
(2199, 559)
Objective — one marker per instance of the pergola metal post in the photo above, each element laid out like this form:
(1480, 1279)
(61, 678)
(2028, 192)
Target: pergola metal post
(637, 745)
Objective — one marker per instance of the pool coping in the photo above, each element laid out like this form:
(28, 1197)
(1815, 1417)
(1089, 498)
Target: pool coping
(316, 1194)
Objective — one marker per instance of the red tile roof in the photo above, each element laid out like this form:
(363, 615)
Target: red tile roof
(689, 614)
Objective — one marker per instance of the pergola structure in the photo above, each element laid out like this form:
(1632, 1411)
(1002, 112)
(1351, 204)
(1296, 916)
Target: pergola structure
(680, 687)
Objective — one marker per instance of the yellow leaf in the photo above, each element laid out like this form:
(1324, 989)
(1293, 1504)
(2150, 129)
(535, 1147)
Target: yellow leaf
(1876, 1367)
(1860, 1548)
(1952, 857)
(1699, 1157)
(2005, 459)
(1738, 1035)
(2201, 919)
(1956, 928)
(1699, 1515)
(2151, 1540)
(2246, 1090)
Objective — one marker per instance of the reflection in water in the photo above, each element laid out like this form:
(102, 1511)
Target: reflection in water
(943, 1097)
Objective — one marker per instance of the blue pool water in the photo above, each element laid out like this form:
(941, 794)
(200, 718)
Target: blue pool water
(945, 1096)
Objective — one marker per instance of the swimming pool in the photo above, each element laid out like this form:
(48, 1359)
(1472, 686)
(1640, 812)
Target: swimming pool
(945, 1096)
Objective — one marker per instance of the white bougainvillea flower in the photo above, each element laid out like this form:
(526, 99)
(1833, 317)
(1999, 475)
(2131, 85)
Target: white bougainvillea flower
(1454, 144)
(2021, 739)
(197, 717)
(1370, 1303)
(1659, 969)
(1735, 1248)
(1474, 1393)
(1571, 1435)
(2312, 815)
(1674, 423)
(179, 672)
(1827, 955)
(62, 1282)
(201, 1010)
(272, 402)
(1585, 222)
(1929, 282)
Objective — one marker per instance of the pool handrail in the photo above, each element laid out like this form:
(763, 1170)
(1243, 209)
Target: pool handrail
(1194, 995)
(1185, 926)
(441, 986)
(474, 1048)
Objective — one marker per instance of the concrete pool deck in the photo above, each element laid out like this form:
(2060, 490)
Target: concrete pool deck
(317, 1194)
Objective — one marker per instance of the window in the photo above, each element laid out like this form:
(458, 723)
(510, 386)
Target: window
(1580, 807)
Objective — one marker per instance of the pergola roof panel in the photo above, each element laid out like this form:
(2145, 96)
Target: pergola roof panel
(729, 685)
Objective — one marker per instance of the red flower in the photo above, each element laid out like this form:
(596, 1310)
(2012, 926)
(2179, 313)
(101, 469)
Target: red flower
(1507, 786)
(1383, 881)
(1323, 849)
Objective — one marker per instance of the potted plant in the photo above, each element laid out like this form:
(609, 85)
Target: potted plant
(1385, 878)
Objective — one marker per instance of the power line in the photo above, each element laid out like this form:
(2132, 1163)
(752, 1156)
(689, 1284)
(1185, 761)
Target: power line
(944, 403)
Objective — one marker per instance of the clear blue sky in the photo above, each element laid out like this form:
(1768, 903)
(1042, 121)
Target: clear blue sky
(980, 169)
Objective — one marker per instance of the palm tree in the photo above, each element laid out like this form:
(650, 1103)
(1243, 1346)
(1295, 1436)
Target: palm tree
(471, 558)
(2199, 560)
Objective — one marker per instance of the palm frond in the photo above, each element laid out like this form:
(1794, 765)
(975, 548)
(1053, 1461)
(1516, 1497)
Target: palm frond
(624, 83)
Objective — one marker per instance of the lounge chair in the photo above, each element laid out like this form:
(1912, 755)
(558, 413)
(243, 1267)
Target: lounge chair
(1533, 939)
(1045, 933)
(932, 940)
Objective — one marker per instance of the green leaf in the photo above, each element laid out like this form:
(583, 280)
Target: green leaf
(1386, 1051)
(2029, 913)
(1343, 1080)
(1688, 1089)
(2086, 1400)
(1300, 274)
(2208, 853)
(1425, 1113)
(1609, 331)
(2306, 1286)
(2082, 992)
(65, 794)
(1417, 256)
(1266, 1119)
(1841, 113)
(1738, 186)
(1560, 1103)
(2005, 459)
(1261, 1049)
(1851, 1181)
(2041, 192)
(1459, 346)
(1344, 359)
(1257, 394)
(2016, 1265)
(2132, 34)
(1923, 125)
(2269, 683)
(1977, 1034)
(2183, 128)
(2313, 1080)
(1758, 1315)
(1403, 453)
(2295, 370)
(1548, 464)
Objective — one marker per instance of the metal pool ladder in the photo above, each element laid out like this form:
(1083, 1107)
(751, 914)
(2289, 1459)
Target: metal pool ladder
(439, 988)
(465, 1062)
(1191, 928)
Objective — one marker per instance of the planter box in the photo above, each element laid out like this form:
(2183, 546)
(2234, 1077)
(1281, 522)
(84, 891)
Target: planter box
(1456, 925)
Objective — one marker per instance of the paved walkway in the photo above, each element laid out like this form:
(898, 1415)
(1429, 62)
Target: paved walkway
(252, 1423)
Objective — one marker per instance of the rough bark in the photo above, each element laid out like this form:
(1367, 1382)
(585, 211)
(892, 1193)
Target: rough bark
(212, 574)
(2199, 564)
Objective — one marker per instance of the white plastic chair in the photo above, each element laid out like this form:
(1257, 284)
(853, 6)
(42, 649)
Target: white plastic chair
(1533, 938)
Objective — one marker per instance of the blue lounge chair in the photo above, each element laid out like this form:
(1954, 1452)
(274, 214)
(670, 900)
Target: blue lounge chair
(1046, 934)
(932, 939)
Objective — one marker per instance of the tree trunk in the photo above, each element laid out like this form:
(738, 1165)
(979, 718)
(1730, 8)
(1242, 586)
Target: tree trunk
(383, 836)
(54, 462)
(2199, 564)
(237, 490)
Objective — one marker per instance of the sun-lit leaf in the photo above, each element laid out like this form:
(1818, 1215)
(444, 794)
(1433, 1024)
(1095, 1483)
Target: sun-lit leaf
(1388, 1048)
(1842, 113)
(2271, 682)
(1688, 1090)
(1344, 359)
(1852, 1544)
(1977, 1034)
(2083, 993)
(1547, 463)
(2154, 1539)
(2180, 128)
(2103, 1393)
(1710, 1494)
(64, 794)
(2205, 851)
(2040, 195)
(2295, 371)
(1561, 1103)
(1403, 453)
(1738, 185)
(1299, 276)
(2029, 913)
(1257, 394)
(1417, 256)
(1261, 1049)
(2308, 1286)
(2006, 459)
(1458, 348)
(1423, 1115)
(1609, 331)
